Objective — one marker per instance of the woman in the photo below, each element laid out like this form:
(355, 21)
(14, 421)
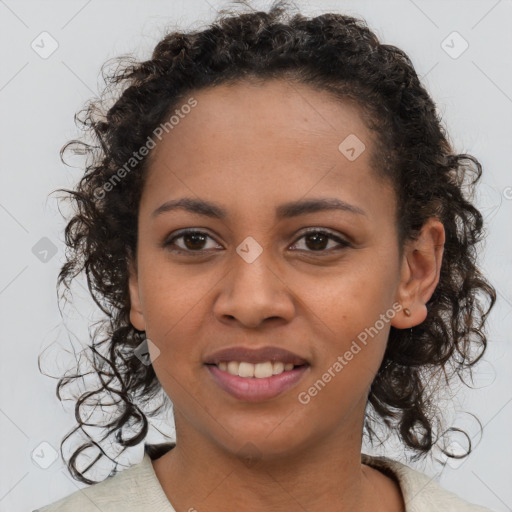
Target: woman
(273, 213)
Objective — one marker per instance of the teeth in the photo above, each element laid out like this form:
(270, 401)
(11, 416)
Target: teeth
(246, 370)
(258, 371)
(262, 369)
(277, 368)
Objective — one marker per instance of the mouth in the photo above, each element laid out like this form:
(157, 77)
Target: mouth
(255, 356)
(256, 374)
(248, 370)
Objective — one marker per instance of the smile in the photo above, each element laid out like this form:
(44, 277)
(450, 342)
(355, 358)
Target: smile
(258, 370)
(256, 382)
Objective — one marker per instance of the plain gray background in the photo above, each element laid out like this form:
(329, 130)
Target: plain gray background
(38, 98)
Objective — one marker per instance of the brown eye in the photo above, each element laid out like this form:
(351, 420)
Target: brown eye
(317, 240)
(192, 241)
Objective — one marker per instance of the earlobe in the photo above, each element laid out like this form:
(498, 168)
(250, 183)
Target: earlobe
(421, 268)
(136, 314)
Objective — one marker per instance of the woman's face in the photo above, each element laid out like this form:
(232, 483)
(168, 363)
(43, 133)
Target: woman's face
(251, 279)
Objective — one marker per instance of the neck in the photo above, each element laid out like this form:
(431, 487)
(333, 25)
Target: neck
(199, 475)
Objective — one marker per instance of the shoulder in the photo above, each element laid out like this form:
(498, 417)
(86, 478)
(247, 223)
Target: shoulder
(135, 489)
(421, 493)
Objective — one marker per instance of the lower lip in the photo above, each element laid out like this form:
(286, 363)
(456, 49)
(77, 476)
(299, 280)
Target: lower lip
(253, 389)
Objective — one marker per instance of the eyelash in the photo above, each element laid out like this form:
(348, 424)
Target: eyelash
(343, 243)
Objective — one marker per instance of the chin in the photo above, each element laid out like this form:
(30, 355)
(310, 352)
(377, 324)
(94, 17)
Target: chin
(263, 443)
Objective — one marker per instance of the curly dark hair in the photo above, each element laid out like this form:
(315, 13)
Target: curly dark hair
(330, 52)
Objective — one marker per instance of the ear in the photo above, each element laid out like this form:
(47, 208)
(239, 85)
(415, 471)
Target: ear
(419, 275)
(136, 315)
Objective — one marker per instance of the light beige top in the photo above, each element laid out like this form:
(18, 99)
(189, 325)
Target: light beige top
(137, 489)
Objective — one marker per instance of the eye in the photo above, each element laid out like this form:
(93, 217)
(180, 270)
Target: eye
(317, 239)
(193, 240)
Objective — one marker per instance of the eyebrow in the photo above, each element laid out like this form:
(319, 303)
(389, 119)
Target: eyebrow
(283, 211)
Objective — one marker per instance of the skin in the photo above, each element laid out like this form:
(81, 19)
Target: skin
(251, 147)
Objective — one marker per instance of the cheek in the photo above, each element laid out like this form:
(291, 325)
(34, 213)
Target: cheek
(173, 300)
(356, 316)
(174, 318)
(350, 300)
(179, 359)
(341, 380)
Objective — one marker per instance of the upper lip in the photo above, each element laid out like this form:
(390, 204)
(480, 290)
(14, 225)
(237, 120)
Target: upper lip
(252, 355)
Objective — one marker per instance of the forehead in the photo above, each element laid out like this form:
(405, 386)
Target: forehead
(270, 113)
(263, 140)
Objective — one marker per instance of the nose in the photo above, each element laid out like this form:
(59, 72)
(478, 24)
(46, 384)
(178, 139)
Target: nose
(254, 293)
